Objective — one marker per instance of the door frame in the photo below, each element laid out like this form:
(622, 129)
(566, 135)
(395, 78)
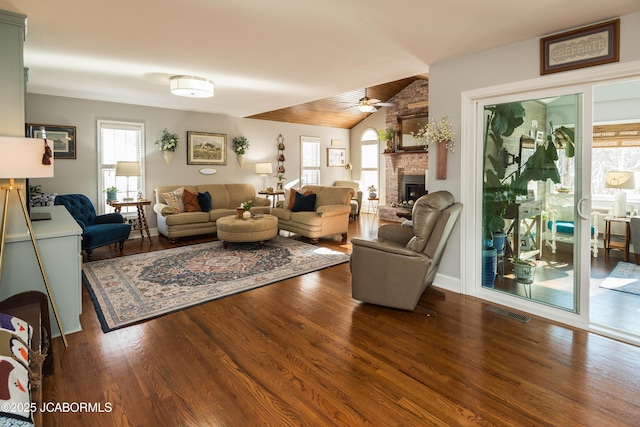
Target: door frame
(580, 81)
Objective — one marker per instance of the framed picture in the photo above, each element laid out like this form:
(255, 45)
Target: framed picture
(593, 45)
(206, 148)
(336, 156)
(63, 137)
(279, 186)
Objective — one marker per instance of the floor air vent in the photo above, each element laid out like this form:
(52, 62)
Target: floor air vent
(510, 314)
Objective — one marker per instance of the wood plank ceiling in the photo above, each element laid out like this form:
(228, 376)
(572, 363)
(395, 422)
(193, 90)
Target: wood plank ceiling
(339, 111)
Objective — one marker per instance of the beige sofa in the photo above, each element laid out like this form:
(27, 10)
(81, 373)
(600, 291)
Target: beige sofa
(330, 216)
(225, 198)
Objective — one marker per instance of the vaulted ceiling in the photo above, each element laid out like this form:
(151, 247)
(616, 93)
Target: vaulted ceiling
(277, 56)
(340, 111)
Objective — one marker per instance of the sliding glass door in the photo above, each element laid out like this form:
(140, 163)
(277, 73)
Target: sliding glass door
(535, 205)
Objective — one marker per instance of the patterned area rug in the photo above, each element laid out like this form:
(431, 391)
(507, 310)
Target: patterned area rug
(134, 288)
(624, 278)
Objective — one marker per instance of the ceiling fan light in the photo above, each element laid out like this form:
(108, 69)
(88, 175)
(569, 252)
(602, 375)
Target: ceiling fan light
(192, 87)
(366, 108)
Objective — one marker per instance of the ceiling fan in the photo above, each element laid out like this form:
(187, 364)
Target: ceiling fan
(368, 105)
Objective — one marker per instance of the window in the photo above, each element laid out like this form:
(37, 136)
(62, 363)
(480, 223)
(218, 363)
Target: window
(119, 141)
(370, 156)
(310, 151)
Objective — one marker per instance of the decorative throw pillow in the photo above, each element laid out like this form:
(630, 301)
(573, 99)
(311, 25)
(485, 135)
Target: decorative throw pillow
(304, 203)
(205, 201)
(190, 200)
(174, 199)
(291, 199)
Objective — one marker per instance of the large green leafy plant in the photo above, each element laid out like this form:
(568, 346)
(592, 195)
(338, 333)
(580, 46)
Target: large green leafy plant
(500, 189)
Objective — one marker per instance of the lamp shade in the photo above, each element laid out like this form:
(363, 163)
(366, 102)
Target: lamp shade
(192, 87)
(127, 169)
(22, 158)
(619, 179)
(263, 168)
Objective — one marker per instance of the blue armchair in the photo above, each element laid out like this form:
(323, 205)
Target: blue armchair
(97, 230)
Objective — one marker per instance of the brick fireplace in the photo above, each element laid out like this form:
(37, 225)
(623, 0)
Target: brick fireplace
(410, 102)
(397, 165)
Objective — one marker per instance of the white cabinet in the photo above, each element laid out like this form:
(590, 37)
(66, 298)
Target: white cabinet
(59, 243)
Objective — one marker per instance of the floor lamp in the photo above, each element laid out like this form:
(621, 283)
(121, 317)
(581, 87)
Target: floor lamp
(23, 158)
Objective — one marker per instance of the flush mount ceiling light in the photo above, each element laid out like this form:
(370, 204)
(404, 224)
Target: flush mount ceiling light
(192, 87)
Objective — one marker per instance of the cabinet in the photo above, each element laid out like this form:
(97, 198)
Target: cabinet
(59, 242)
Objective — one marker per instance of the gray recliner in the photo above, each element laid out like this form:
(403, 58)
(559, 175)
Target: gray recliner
(635, 236)
(394, 269)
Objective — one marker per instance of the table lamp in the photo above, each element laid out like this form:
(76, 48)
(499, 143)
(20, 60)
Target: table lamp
(264, 169)
(622, 181)
(128, 169)
(24, 158)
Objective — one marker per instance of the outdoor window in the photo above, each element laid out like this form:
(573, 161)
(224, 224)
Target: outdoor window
(119, 141)
(310, 151)
(370, 156)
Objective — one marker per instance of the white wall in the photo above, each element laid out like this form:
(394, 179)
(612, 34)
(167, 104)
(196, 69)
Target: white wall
(80, 175)
(508, 64)
(375, 121)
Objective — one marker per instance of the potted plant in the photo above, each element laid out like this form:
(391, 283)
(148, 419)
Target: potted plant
(524, 270)
(240, 147)
(168, 144)
(112, 193)
(247, 209)
(387, 135)
(373, 191)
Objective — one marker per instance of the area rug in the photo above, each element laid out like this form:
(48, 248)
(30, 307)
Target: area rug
(624, 278)
(130, 289)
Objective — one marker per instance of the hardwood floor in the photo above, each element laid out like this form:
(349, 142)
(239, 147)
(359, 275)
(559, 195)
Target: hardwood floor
(303, 352)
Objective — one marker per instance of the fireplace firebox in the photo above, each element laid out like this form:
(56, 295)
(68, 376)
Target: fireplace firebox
(412, 187)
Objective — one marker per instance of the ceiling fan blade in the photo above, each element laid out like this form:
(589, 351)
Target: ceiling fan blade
(373, 101)
(385, 104)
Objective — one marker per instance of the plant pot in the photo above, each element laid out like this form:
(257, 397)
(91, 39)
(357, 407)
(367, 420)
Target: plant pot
(112, 195)
(373, 195)
(246, 214)
(524, 273)
(168, 156)
(241, 159)
(489, 265)
(499, 239)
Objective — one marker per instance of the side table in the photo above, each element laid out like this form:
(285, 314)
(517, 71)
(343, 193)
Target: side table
(275, 194)
(142, 219)
(624, 245)
(373, 204)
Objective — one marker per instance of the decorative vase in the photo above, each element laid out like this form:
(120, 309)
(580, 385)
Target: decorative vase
(489, 265)
(241, 159)
(112, 195)
(239, 212)
(168, 156)
(441, 165)
(373, 195)
(246, 215)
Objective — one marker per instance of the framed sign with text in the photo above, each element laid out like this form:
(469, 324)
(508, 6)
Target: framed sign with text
(584, 47)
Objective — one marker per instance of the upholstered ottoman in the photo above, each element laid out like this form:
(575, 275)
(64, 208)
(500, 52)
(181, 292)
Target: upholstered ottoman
(232, 229)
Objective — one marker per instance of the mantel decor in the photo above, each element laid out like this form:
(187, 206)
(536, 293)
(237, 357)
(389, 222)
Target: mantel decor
(584, 47)
(206, 148)
(63, 137)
